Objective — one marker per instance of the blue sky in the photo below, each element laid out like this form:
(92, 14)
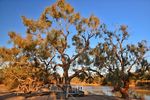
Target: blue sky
(134, 13)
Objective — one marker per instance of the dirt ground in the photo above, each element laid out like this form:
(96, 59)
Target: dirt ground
(7, 95)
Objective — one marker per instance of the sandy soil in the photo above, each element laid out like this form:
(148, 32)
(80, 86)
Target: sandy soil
(46, 97)
(7, 95)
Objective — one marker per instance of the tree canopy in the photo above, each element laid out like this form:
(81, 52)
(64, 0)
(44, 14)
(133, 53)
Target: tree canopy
(50, 39)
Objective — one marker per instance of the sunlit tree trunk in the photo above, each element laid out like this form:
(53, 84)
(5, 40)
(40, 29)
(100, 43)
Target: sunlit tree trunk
(66, 81)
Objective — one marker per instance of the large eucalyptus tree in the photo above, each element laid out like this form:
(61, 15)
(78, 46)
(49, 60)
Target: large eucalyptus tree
(58, 40)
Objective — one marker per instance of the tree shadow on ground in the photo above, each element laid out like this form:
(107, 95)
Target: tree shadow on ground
(9, 95)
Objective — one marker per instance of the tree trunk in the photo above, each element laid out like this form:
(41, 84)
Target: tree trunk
(122, 87)
(65, 76)
(124, 90)
(66, 82)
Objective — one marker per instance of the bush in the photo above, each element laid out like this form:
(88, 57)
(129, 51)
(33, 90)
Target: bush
(16, 75)
(12, 75)
(11, 83)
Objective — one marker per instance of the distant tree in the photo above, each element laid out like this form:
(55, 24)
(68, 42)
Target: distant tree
(118, 57)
